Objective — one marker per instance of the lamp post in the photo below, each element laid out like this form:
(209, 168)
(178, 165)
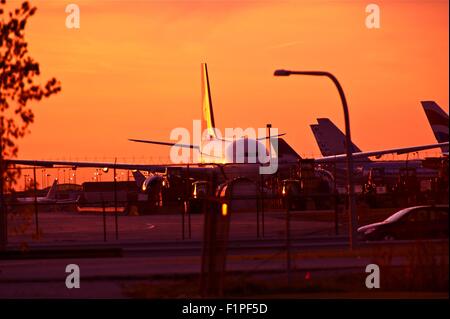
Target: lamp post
(25, 181)
(349, 157)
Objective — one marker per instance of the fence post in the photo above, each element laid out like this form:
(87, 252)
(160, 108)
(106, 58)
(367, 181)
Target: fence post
(335, 202)
(182, 223)
(36, 214)
(116, 218)
(104, 220)
(262, 204)
(215, 241)
(188, 195)
(257, 216)
(187, 198)
(185, 207)
(288, 240)
(189, 224)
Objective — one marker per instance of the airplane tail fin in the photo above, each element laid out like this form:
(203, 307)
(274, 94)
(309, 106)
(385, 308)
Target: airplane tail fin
(207, 122)
(286, 152)
(438, 120)
(207, 108)
(330, 139)
(138, 177)
(52, 191)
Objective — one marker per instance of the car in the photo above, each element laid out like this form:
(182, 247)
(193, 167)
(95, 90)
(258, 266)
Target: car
(418, 222)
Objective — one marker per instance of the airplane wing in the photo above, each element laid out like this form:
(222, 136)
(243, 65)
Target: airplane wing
(162, 168)
(43, 163)
(193, 170)
(164, 143)
(403, 150)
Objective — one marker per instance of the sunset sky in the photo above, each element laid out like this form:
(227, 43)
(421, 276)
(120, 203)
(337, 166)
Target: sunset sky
(133, 71)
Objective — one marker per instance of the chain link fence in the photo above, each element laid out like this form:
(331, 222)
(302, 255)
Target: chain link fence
(57, 205)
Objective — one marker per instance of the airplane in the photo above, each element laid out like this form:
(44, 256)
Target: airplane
(438, 120)
(225, 165)
(50, 198)
(331, 141)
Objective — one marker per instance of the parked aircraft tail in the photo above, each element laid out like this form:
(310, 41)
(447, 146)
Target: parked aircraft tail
(330, 139)
(138, 177)
(52, 191)
(207, 122)
(438, 120)
(286, 152)
(207, 108)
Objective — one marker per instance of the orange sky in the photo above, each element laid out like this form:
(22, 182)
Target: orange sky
(133, 70)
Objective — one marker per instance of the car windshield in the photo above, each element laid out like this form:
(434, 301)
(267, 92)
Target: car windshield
(397, 215)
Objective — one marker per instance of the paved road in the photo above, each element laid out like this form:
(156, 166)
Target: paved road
(151, 246)
(105, 277)
(75, 227)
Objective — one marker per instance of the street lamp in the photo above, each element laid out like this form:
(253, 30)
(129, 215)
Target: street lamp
(349, 157)
(25, 181)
